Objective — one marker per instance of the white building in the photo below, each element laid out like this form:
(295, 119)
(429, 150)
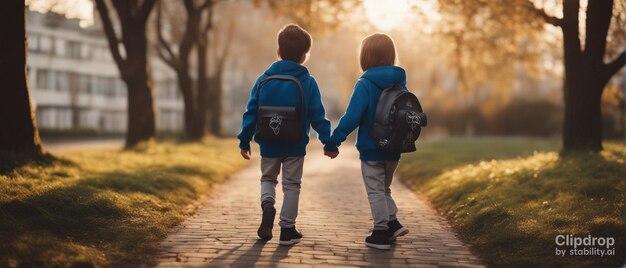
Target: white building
(75, 83)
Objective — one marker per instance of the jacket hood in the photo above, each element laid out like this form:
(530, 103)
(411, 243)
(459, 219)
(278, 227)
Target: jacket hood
(385, 76)
(287, 67)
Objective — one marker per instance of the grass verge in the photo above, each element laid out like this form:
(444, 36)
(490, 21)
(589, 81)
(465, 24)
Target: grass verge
(105, 207)
(509, 198)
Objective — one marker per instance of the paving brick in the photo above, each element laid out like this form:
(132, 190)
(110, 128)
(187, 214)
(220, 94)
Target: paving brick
(334, 218)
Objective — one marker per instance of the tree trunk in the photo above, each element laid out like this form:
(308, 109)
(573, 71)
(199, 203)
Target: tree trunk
(134, 67)
(216, 83)
(18, 131)
(74, 91)
(193, 94)
(136, 74)
(586, 74)
(203, 86)
(582, 125)
(141, 120)
(215, 105)
(185, 85)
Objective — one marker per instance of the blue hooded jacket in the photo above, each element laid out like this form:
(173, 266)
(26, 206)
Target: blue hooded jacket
(362, 109)
(285, 93)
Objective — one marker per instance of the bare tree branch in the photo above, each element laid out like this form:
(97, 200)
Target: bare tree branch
(227, 45)
(542, 13)
(206, 4)
(209, 21)
(549, 19)
(146, 7)
(170, 57)
(110, 33)
(172, 64)
(615, 65)
(189, 6)
(191, 31)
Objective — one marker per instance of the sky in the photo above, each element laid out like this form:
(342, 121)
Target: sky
(385, 15)
(80, 9)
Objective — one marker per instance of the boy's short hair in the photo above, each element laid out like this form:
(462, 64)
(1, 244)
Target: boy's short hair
(377, 50)
(293, 43)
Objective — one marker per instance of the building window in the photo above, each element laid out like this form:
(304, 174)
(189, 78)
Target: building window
(121, 88)
(73, 49)
(84, 84)
(62, 82)
(43, 79)
(64, 118)
(45, 117)
(85, 51)
(112, 88)
(99, 52)
(177, 94)
(99, 86)
(59, 47)
(46, 44)
(33, 42)
(84, 119)
(168, 90)
(54, 117)
(104, 86)
(95, 53)
(161, 90)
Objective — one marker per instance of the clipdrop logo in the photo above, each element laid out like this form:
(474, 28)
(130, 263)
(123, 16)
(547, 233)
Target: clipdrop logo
(570, 245)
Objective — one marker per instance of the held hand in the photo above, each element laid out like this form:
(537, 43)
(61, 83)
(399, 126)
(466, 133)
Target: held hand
(246, 154)
(332, 155)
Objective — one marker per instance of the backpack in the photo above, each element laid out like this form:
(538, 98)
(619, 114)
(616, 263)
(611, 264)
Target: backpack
(281, 124)
(398, 120)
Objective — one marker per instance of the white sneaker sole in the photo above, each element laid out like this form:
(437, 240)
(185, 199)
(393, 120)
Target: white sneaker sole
(377, 246)
(289, 243)
(400, 232)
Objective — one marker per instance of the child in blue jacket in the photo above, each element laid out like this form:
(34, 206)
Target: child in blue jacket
(377, 59)
(294, 44)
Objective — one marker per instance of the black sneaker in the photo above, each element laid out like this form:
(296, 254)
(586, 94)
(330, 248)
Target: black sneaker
(289, 236)
(378, 240)
(396, 229)
(267, 221)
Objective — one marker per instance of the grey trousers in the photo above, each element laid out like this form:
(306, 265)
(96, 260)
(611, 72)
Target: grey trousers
(292, 177)
(377, 176)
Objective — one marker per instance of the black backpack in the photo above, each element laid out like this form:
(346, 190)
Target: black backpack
(398, 120)
(281, 124)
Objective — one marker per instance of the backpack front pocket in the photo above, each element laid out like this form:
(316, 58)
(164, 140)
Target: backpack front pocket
(278, 124)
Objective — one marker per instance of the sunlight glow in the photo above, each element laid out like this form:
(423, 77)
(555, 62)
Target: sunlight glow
(386, 15)
(76, 9)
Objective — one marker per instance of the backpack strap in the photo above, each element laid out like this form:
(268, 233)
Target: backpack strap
(395, 86)
(291, 78)
(396, 89)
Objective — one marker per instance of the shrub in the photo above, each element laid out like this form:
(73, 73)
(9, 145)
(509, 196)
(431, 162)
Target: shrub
(523, 117)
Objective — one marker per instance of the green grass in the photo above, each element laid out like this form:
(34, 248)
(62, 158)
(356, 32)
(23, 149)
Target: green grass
(105, 207)
(509, 198)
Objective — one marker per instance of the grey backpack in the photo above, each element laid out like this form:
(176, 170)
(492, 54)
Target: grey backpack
(398, 120)
(281, 124)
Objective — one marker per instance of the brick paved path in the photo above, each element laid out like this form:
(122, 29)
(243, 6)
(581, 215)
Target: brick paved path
(334, 218)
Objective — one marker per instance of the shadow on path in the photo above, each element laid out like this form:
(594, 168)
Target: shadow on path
(334, 217)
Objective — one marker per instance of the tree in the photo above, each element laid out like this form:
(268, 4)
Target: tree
(517, 25)
(586, 74)
(314, 16)
(219, 57)
(195, 35)
(132, 63)
(19, 131)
